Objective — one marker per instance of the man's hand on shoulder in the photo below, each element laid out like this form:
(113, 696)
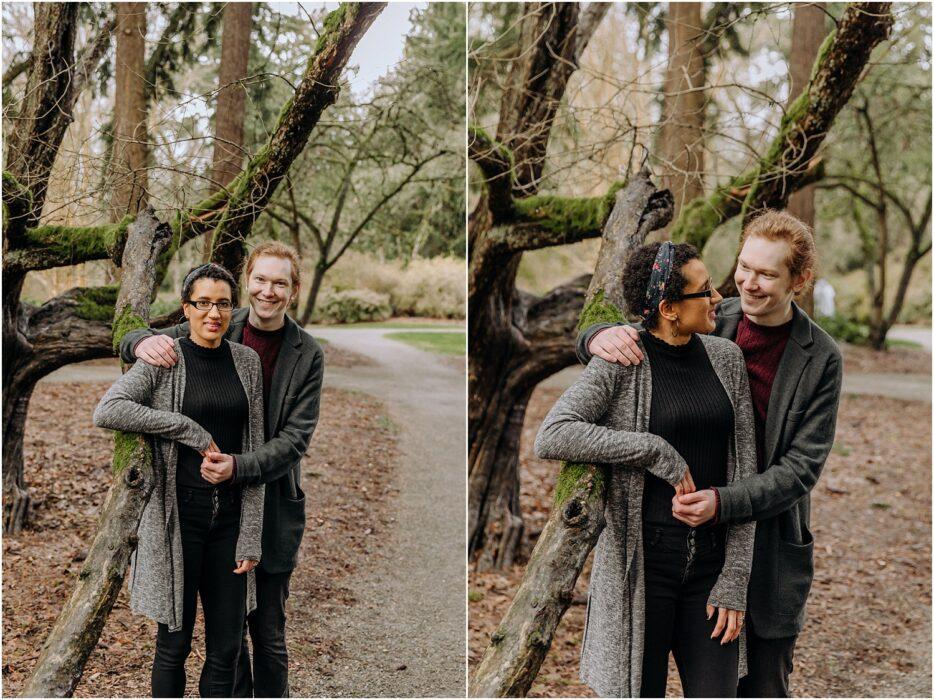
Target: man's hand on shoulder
(617, 344)
(156, 350)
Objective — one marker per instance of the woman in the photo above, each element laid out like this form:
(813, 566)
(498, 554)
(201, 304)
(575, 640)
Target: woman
(195, 538)
(680, 420)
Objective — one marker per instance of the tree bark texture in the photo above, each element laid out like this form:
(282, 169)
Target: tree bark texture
(807, 35)
(46, 109)
(78, 627)
(521, 641)
(516, 339)
(131, 112)
(252, 190)
(792, 159)
(230, 111)
(681, 136)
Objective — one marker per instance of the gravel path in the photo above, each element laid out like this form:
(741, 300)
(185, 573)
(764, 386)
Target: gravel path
(406, 633)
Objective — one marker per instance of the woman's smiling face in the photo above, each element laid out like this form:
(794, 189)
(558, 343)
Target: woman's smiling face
(697, 315)
(208, 325)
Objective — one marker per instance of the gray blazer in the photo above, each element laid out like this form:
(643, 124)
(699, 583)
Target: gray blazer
(148, 400)
(604, 418)
(799, 432)
(291, 417)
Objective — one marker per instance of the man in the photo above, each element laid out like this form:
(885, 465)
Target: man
(293, 367)
(795, 372)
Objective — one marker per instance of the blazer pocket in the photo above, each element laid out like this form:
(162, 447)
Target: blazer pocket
(796, 572)
(292, 521)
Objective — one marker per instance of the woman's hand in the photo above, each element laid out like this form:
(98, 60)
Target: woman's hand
(244, 565)
(686, 485)
(730, 622)
(211, 448)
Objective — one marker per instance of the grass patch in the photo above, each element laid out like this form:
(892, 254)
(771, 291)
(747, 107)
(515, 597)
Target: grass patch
(840, 449)
(442, 343)
(401, 325)
(475, 596)
(899, 343)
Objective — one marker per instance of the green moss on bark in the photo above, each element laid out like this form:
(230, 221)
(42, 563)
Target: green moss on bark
(124, 322)
(568, 215)
(574, 476)
(332, 24)
(599, 310)
(81, 242)
(126, 448)
(96, 303)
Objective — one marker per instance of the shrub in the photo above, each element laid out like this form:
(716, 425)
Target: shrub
(845, 329)
(434, 287)
(355, 306)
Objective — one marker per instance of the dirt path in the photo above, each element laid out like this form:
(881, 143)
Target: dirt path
(405, 634)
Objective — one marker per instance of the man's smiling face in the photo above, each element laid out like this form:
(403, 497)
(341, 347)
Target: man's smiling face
(270, 287)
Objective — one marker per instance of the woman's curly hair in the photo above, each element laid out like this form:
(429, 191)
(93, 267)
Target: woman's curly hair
(638, 270)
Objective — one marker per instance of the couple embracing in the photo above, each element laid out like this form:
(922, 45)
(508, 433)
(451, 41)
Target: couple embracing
(715, 418)
(229, 400)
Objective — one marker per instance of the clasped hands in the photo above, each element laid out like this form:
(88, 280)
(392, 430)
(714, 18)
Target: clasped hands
(216, 468)
(691, 506)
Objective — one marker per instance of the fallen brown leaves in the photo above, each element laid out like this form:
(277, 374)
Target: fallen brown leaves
(868, 632)
(347, 481)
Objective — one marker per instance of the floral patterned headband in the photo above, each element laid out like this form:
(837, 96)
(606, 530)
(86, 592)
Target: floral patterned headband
(661, 271)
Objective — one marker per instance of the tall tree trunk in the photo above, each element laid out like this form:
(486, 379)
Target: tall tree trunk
(131, 149)
(522, 640)
(79, 626)
(807, 35)
(320, 270)
(681, 137)
(231, 98)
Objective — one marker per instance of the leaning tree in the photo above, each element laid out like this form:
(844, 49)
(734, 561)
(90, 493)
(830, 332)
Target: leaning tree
(519, 644)
(87, 323)
(517, 340)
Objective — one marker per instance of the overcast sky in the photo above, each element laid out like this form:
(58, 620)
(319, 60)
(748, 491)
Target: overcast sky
(380, 48)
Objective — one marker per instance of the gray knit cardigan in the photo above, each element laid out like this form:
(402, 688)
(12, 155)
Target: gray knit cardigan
(148, 400)
(604, 418)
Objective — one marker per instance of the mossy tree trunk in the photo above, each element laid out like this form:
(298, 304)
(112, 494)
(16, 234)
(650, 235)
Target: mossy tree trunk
(75, 326)
(75, 634)
(521, 641)
(793, 159)
(516, 339)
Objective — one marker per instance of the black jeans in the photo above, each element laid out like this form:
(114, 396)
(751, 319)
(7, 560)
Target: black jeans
(770, 664)
(681, 567)
(270, 670)
(210, 524)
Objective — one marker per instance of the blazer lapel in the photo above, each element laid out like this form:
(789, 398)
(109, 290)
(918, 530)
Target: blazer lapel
(289, 355)
(237, 322)
(790, 369)
(728, 318)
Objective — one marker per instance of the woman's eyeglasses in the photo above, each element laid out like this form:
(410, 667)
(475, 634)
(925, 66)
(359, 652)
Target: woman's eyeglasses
(698, 295)
(204, 305)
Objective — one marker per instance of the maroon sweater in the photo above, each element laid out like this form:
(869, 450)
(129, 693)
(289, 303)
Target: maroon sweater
(267, 345)
(762, 347)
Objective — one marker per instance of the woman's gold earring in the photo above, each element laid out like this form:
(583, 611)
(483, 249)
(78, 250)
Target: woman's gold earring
(676, 331)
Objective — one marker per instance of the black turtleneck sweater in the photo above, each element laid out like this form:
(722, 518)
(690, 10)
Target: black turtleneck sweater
(692, 412)
(215, 400)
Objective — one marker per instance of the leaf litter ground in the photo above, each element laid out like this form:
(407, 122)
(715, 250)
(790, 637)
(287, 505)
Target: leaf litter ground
(348, 483)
